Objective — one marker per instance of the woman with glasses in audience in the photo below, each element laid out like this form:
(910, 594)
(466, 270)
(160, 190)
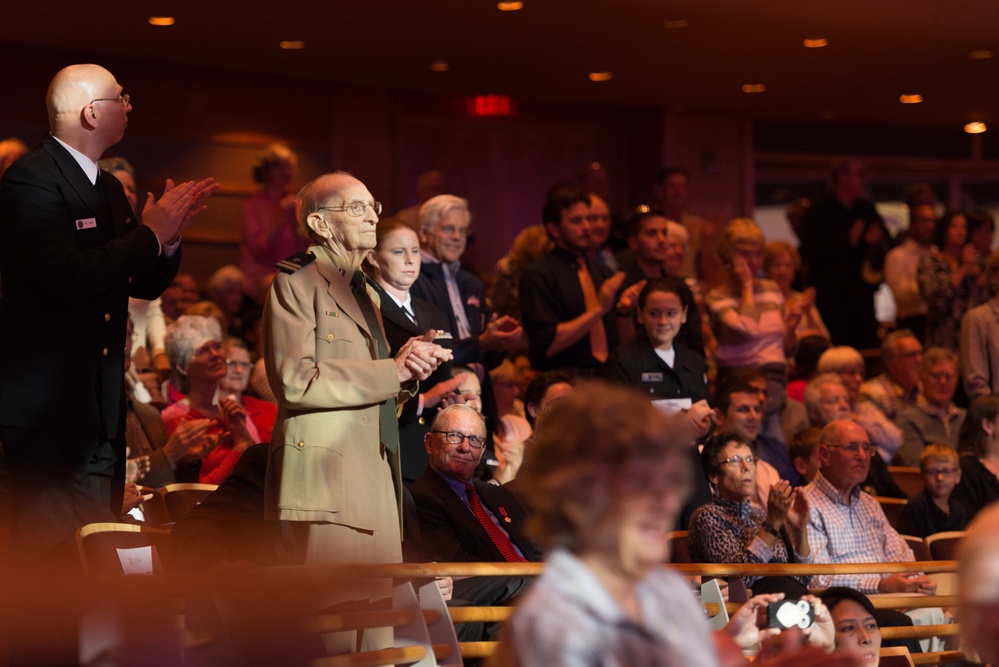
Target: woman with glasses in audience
(194, 345)
(731, 529)
(978, 444)
(262, 414)
(395, 265)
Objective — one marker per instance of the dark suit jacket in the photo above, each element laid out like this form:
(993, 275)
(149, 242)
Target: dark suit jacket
(71, 254)
(430, 286)
(450, 531)
(412, 427)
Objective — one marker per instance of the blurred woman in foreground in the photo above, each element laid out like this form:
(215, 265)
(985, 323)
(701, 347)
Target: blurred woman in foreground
(607, 478)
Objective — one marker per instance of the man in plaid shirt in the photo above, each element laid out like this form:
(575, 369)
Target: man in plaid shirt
(847, 525)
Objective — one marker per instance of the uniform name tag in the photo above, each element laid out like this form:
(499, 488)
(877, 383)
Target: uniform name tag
(86, 223)
(652, 377)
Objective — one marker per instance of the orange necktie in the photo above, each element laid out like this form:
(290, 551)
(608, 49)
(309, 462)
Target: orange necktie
(598, 335)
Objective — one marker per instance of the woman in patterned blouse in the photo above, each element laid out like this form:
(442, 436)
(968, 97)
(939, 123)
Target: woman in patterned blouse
(730, 529)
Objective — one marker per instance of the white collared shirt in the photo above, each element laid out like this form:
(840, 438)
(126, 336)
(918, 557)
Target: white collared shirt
(89, 167)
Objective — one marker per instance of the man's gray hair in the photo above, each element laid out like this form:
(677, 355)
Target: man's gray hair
(437, 208)
(812, 397)
(314, 195)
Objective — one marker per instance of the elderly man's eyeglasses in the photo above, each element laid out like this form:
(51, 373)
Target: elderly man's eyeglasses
(124, 100)
(242, 365)
(456, 437)
(855, 447)
(355, 208)
(737, 461)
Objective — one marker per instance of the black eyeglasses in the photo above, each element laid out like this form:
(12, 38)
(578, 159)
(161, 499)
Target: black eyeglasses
(355, 208)
(124, 100)
(456, 437)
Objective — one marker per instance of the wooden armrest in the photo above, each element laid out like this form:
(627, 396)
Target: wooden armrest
(921, 631)
(386, 656)
(480, 614)
(477, 649)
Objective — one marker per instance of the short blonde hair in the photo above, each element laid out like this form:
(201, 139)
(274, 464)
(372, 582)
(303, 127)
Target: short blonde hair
(936, 450)
(740, 231)
(838, 359)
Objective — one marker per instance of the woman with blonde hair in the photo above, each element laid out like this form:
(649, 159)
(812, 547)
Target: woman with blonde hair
(747, 312)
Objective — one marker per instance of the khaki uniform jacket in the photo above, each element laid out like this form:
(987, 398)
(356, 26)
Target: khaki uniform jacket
(327, 463)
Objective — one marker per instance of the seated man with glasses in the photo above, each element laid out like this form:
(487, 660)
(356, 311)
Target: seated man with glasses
(463, 519)
(848, 525)
(933, 417)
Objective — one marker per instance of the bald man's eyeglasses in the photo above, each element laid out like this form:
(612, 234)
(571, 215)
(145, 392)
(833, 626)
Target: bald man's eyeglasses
(456, 437)
(355, 208)
(124, 100)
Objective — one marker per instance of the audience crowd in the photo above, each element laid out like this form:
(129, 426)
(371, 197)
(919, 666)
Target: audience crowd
(788, 402)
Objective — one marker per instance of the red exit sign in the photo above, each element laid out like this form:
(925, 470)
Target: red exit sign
(490, 106)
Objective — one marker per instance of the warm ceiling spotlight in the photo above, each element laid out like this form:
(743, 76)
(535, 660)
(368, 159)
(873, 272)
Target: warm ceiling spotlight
(816, 43)
(601, 76)
(976, 127)
(753, 87)
(510, 5)
(292, 44)
(676, 23)
(910, 99)
(981, 54)
(161, 20)
(439, 66)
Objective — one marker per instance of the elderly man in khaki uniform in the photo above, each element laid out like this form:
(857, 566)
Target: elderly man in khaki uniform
(333, 470)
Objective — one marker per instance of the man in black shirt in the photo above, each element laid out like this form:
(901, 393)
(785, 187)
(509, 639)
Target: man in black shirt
(567, 298)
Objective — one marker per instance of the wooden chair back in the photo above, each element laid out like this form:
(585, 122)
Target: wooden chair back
(679, 546)
(122, 548)
(943, 546)
(895, 656)
(179, 499)
(909, 480)
(918, 546)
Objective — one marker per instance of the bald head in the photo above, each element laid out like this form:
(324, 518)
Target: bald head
(84, 110)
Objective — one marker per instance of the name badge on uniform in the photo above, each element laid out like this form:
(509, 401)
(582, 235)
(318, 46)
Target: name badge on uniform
(86, 223)
(652, 377)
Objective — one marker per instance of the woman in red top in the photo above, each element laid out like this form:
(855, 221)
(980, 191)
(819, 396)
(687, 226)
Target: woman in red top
(194, 345)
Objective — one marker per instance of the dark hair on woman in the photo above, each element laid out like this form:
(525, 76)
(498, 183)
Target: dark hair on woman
(833, 595)
(971, 439)
(943, 224)
(538, 387)
(713, 447)
(976, 219)
(667, 285)
(806, 359)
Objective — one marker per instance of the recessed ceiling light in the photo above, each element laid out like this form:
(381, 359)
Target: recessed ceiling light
(510, 5)
(753, 87)
(161, 20)
(676, 23)
(981, 54)
(910, 99)
(439, 66)
(292, 44)
(601, 76)
(817, 43)
(976, 127)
